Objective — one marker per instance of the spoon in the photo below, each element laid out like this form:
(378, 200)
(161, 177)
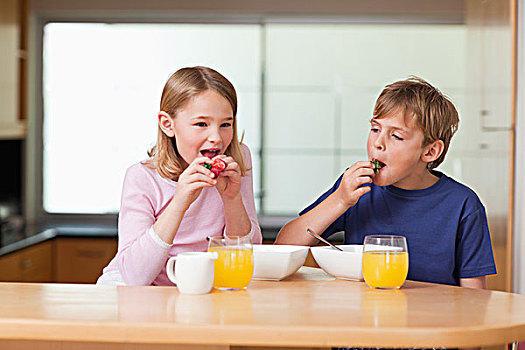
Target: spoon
(315, 235)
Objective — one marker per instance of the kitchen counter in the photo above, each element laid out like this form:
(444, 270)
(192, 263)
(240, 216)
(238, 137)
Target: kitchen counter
(34, 234)
(310, 309)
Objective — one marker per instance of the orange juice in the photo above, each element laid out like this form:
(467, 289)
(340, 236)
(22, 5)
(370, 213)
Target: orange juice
(233, 268)
(385, 269)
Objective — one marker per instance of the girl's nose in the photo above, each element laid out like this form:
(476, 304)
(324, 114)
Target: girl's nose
(214, 135)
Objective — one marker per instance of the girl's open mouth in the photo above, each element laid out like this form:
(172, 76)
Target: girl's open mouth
(210, 153)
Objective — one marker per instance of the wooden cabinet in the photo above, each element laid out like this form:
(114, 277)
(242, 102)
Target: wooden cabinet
(81, 260)
(10, 30)
(33, 264)
(488, 155)
(62, 259)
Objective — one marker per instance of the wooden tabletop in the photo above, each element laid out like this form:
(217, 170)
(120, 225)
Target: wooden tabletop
(310, 309)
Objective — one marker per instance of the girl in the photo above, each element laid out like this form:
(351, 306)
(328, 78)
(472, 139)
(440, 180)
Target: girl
(171, 202)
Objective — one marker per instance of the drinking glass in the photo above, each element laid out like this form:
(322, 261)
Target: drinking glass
(234, 266)
(385, 261)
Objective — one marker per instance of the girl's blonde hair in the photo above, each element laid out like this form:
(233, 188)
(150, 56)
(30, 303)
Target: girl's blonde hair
(183, 85)
(434, 113)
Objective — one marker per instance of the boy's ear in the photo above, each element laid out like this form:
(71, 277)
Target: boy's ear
(432, 151)
(166, 124)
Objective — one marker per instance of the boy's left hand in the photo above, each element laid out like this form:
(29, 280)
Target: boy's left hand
(229, 180)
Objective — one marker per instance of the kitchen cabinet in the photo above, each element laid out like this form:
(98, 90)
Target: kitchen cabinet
(32, 264)
(11, 126)
(81, 260)
(62, 259)
(483, 152)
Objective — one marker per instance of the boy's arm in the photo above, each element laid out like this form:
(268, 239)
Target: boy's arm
(474, 282)
(323, 215)
(317, 219)
(477, 283)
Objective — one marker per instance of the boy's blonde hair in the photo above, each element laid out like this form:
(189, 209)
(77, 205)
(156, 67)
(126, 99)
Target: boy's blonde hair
(183, 85)
(434, 113)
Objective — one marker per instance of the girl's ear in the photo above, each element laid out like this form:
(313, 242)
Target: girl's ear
(432, 151)
(166, 124)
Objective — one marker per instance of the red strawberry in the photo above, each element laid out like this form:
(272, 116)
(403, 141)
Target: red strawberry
(216, 167)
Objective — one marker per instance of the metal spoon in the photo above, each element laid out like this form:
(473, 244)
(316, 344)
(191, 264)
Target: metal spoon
(315, 235)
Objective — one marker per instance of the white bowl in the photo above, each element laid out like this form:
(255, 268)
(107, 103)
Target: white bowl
(345, 265)
(276, 262)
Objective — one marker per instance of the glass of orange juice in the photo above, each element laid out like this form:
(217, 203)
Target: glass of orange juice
(234, 267)
(385, 261)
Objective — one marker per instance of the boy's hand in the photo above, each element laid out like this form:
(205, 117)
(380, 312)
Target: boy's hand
(351, 188)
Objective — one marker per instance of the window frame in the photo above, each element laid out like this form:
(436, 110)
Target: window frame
(40, 17)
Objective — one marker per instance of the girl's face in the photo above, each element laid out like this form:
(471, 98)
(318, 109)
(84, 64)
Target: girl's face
(399, 146)
(204, 126)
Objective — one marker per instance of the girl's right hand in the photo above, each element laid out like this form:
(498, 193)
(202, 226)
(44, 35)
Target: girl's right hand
(191, 182)
(351, 187)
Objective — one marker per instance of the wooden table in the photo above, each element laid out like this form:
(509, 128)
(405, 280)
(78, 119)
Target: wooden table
(308, 310)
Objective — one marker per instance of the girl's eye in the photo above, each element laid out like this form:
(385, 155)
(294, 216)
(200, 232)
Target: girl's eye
(200, 124)
(373, 129)
(397, 137)
(226, 125)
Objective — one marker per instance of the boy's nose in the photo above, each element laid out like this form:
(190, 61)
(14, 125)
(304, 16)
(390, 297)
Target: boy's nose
(379, 144)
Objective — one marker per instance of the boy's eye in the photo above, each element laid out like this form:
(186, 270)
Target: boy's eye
(374, 129)
(200, 124)
(397, 137)
(226, 125)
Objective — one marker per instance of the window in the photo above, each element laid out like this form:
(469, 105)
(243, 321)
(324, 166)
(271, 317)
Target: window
(317, 84)
(102, 88)
(321, 86)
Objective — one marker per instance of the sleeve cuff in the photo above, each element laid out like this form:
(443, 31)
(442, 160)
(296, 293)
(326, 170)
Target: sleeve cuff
(158, 240)
(250, 234)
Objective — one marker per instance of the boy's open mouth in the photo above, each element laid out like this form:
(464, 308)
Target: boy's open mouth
(378, 165)
(210, 153)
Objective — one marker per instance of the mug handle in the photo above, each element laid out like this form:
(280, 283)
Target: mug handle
(170, 270)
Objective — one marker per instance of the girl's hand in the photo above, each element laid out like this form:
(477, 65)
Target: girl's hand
(351, 188)
(191, 182)
(229, 180)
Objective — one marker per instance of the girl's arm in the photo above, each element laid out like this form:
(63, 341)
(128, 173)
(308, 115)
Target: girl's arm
(237, 220)
(191, 182)
(239, 203)
(141, 254)
(144, 240)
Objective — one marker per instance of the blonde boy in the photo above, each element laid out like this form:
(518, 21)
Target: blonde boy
(443, 221)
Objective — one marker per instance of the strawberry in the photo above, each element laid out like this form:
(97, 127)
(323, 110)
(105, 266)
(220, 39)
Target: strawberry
(216, 167)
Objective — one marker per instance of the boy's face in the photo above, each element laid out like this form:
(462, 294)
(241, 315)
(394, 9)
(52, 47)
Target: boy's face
(397, 142)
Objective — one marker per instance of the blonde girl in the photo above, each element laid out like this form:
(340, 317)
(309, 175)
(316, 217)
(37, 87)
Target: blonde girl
(171, 202)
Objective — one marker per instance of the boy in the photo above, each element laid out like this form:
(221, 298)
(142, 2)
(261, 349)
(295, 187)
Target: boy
(398, 192)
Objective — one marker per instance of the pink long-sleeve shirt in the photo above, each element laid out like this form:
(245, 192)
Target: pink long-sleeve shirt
(142, 255)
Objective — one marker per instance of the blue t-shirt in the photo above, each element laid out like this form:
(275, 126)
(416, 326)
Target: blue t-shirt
(445, 226)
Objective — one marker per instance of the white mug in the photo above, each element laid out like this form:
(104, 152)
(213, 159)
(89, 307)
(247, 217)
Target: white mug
(193, 272)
